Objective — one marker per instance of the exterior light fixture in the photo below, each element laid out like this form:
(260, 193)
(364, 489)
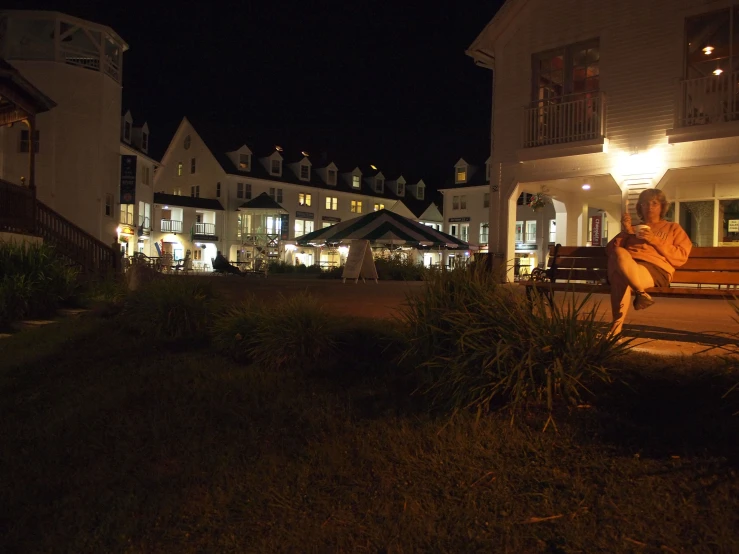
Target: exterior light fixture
(165, 208)
(708, 50)
(278, 147)
(586, 187)
(304, 153)
(373, 166)
(718, 71)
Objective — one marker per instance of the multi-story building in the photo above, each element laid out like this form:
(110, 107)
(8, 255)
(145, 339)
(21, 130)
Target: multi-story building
(467, 217)
(618, 96)
(79, 65)
(268, 197)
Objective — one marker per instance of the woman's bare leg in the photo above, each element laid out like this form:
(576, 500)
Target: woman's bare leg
(624, 274)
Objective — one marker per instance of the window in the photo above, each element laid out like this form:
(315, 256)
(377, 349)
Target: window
(145, 141)
(244, 162)
(401, 189)
(484, 233)
(523, 199)
(570, 70)
(453, 229)
(145, 175)
(304, 172)
(127, 214)
(356, 207)
(218, 190)
(332, 203)
(379, 207)
(179, 169)
(455, 202)
(552, 231)
(327, 224)
(108, 204)
(177, 191)
(461, 175)
(303, 226)
(463, 202)
(531, 231)
(279, 196)
(331, 177)
(486, 200)
(464, 232)
(709, 53)
(304, 199)
(355, 181)
(239, 222)
(25, 145)
(127, 131)
(272, 193)
(187, 142)
(192, 165)
(519, 231)
(197, 255)
(239, 190)
(247, 191)
(379, 183)
(275, 168)
(421, 192)
(195, 191)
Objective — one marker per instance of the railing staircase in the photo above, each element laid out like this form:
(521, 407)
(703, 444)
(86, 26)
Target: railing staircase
(21, 212)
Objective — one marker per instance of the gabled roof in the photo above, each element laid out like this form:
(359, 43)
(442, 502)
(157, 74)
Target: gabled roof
(187, 201)
(481, 48)
(31, 97)
(262, 202)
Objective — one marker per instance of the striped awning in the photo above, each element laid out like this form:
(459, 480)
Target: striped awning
(384, 227)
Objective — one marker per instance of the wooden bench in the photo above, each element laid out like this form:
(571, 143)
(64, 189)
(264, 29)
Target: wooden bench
(710, 272)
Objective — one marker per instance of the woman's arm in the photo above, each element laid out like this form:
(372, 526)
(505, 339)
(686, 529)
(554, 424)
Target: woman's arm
(676, 248)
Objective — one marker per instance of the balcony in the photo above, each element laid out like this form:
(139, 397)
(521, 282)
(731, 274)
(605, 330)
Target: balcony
(171, 226)
(576, 121)
(707, 107)
(204, 231)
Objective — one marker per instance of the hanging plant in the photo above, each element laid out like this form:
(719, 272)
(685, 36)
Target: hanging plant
(540, 199)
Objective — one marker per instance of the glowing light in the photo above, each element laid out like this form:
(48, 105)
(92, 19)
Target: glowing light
(649, 162)
(708, 50)
(278, 147)
(304, 153)
(373, 166)
(165, 208)
(718, 71)
(586, 187)
(343, 249)
(290, 247)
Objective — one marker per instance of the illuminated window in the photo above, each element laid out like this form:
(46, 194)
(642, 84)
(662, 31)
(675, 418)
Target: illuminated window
(244, 162)
(177, 191)
(552, 231)
(303, 226)
(356, 207)
(179, 169)
(304, 199)
(461, 174)
(484, 233)
(531, 231)
(332, 203)
(464, 232)
(379, 207)
(355, 181)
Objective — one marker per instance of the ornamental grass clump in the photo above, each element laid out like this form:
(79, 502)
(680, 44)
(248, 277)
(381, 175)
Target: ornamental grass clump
(173, 309)
(233, 329)
(294, 333)
(480, 345)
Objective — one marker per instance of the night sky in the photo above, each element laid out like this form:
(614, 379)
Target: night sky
(367, 82)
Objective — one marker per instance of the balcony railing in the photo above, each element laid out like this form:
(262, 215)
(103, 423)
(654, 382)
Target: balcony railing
(171, 226)
(712, 99)
(205, 229)
(564, 119)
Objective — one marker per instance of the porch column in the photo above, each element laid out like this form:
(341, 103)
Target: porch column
(31, 123)
(572, 220)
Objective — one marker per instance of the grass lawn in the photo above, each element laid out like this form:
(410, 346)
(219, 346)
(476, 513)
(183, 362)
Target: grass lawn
(114, 444)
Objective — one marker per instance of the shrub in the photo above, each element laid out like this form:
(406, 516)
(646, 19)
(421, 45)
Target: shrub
(398, 268)
(332, 273)
(296, 332)
(171, 309)
(479, 344)
(233, 329)
(281, 267)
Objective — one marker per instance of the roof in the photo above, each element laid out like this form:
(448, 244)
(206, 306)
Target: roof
(36, 99)
(475, 178)
(187, 201)
(480, 49)
(262, 202)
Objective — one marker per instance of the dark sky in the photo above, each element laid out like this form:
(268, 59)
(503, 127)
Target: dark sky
(367, 81)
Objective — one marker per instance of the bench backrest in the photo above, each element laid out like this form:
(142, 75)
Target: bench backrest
(712, 265)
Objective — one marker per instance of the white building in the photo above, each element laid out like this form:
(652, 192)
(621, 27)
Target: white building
(269, 196)
(597, 100)
(79, 64)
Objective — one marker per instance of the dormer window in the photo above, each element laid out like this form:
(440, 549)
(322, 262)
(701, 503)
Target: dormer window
(421, 192)
(275, 167)
(461, 174)
(304, 172)
(401, 189)
(244, 162)
(127, 131)
(145, 141)
(355, 181)
(379, 182)
(332, 177)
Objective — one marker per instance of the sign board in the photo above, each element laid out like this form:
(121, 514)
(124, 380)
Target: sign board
(596, 225)
(359, 262)
(526, 247)
(457, 219)
(284, 226)
(304, 215)
(128, 179)
(734, 226)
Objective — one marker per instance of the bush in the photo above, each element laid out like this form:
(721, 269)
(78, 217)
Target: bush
(34, 281)
(233, 329)
(294, 333)
(171, 309)
(479, 344)
(398, 268)
(332, 273)
(281, 267)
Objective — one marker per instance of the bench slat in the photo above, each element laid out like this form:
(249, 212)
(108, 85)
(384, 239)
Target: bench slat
(706, 277)
(693, 292)
(700, 264)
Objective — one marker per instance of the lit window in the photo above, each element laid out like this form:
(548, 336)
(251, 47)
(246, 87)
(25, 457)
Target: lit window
(461, 174)
(455, 202)
(332, 177)
(379, 207)
(179, 169)
(332, 203)
(552, 231)
(531, 231)
(244, 162)
(275, 167)
(356, 207)
(303, 226)
(355, 181)
(177, 191)
(464, 232)
(304, 199)
(192, 165)
(239, 190)
(304, 172)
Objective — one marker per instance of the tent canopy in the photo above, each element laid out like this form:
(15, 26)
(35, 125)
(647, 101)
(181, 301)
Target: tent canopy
(384, 227)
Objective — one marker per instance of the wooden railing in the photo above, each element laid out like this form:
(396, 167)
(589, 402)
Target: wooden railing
(17, 213)
(205, 229)
(171, 226)
(75, 244)
(564, 119)
(712, 99)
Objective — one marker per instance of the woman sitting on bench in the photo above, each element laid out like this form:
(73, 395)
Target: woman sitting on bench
(644, 256)
(220, 263)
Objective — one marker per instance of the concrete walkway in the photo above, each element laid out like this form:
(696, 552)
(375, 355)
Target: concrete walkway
(672, 326)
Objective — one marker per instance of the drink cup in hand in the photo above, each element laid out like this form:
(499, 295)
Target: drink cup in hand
(639, 229)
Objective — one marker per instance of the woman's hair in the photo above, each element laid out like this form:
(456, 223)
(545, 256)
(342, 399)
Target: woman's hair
(649, 194)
